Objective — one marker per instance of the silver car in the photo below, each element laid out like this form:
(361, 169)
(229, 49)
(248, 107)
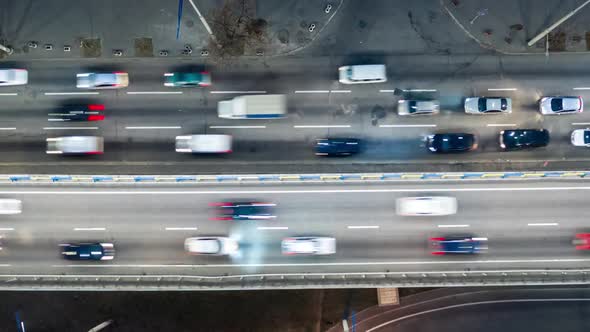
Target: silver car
(308, 245)
(114, 80)
(217, 246)
(75, 145)
(426, 206)
(417, 107)
(488, 105)
(561, 105)
(581, 137)
(10, 77)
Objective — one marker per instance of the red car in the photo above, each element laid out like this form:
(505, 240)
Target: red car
(582, 241)
(92, 112)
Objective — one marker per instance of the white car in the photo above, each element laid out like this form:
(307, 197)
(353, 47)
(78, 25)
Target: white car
(75, 145)
(10, 77)
(426, 206)
(204, 144)
(488, 105)
(581, 137)
(10, 206)
(561, 105)
(311, 245)
(359, 74)
(217, 246)
(114, 80)
(417, 107)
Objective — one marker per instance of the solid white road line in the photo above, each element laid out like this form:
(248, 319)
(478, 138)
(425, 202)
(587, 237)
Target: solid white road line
(501, 125)
(502, 89)
(70, 93)
(235, 92)
(408, 126)
(270, 192)
(272, 228)
(321, 126)
(419, 90)
(582, 88)
(580, 123)
(9, 94)
(237, 127)
(543, 224)
(312, 91)
(90, 229)
(67, 128)
(155, 127)
(436, 262)
(386, 90)
(453, 226)
(340, 91)
(181, 228)
(8, 128)
(362, 227)
(6, 229)
(154, 92)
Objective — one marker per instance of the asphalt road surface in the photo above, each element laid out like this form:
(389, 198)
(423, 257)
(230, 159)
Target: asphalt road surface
(139, 129)
(529, 224)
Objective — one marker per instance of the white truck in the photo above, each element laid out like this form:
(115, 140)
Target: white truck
(253, 107)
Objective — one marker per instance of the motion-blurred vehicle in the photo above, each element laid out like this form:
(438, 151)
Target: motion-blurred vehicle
(451, 142)
(10, 77)
(359, 74)
(336, 147)
(75, 145)
(10, 206)
(187, 79)
(515, 139)
(311, 245)
(458, 244)
(561, 105)
(582, 241)
(426, 206)
(88, 251)
(91, 112)
(244, 210)
(114, 80)
(214, 245)
(581, 137)
(253, 107)
(204, 144)
(417, 107)
(488, 105)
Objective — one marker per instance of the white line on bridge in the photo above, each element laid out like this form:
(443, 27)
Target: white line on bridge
(7, 229)
(235, 92)
(501, 125)
(155, 127)
(181, 228)
(419, 90)
(154, 92)
(502, 89)
(312, 91)
(386, 90)
(321, 126)
(543, 224)
(580, 123)
(90, 229)
(70, 93)
(408, 126)
(8, 128)
(453, 226)
(582, 88)
(363, 227)
(9, 94)
(68, 128)
(237, 127)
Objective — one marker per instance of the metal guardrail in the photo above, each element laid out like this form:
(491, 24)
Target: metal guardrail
(295, 280)
(335, 177)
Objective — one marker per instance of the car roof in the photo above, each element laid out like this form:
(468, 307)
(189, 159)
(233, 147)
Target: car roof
(206, 245)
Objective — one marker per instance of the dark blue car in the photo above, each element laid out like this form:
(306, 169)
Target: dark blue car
(88, 251)
(458, 244)
(244, 210)
(337, 146)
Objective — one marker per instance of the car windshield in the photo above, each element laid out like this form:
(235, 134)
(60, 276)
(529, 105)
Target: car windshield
(503, 103)
(412, 106)
(482, 104)
(587, 137)
(557, 104)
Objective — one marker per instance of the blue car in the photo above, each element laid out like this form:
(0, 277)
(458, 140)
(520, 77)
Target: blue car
(88, 251)
(337, 146)
(244, 210)
(458, 244)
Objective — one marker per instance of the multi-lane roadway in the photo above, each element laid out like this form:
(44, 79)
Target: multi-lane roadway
(529, 224)
(143, 119)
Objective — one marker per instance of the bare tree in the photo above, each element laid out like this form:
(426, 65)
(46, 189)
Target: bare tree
(236, 32)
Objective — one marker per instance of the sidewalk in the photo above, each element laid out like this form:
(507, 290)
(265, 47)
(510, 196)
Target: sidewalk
(144, 28)
(506, 26)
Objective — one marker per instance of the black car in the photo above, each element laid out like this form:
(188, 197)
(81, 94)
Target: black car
(523, 138)
(244, 210)
(92, 112)
(451, 142)
(336, 146)
(88, 251)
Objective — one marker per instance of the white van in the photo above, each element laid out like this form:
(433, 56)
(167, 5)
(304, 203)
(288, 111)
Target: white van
(204, 144)
(362, 74)
(10, 206)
